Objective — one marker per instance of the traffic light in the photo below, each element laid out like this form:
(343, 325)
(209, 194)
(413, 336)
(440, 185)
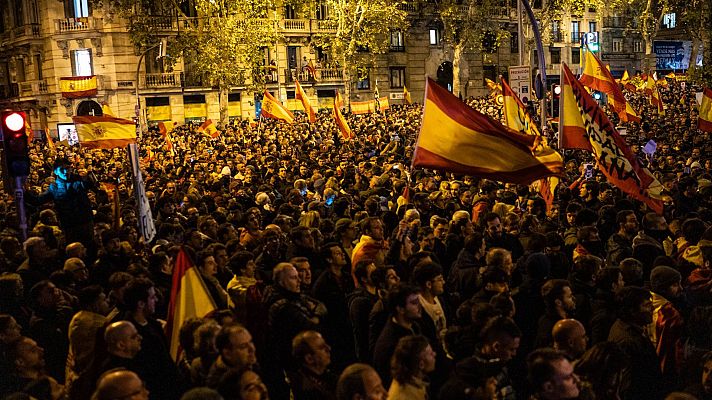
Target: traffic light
(555, 95)
(15, 143)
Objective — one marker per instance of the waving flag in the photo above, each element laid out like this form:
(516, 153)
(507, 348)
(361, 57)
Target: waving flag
(597, 76)
(106, 109)
(209, 129)
(272, 108)
(104, 132)
(456, 138)
(406, 95)
(704, 121)
(515, 114)
(341, 122)
(651, 89)
(189, 299)
(50, 141)
(338, 100)
(613, 156)
(301, 96)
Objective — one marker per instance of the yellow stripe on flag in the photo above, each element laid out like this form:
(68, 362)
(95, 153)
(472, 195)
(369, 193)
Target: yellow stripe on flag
(73, 87)
(597, 76)
(406, 95)
(704, 121)
(104, 132)
(363, 107)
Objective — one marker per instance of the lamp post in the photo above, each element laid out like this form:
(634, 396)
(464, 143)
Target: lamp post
(163, 44)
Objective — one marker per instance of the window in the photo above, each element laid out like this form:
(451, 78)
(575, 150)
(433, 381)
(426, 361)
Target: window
(20, 70)
(592, 26)
(38, 66)
(575, 55)
(434, 36)
(364, 83)
(555, 55)
(397, 43)
(76, 8)
(322, 10)
(617, 45)
(82, 63)
(18, 13)
(637, 46)
(669, 20)
(290, 12)
(397, 75)
(514, 43)
(575, 27)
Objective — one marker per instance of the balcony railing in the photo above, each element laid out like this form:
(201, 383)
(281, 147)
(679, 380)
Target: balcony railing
(156, 22)
(164, 80)
(408, 7)
(495, 12)
(620, 22)
(68, 25)
(33, 88)
(9, 91)
(192, 80)
(323, 75)
(324, 25)
(557, 36)
(298, 25)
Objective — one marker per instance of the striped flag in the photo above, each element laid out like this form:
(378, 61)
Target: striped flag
(597, 76)
(28, 132)
(301, 96)
(651, 89)
(209, 129)
(341, 122)
(50, 141)
(456, 138)
(272, 108)
(704, 121)
(312, 69)
(338, 100)
(165, 131)
(406, 95)
(189, 299)
(363, 107)
(75, 87)
(106, 109)
(614, 157)
(104, 132)
(383, 103)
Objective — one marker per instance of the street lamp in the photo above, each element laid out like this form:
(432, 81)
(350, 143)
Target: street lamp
(162, 53)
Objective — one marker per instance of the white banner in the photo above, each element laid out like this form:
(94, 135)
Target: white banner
(145, 218)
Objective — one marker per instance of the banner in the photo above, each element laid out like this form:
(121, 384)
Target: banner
(145, 218)
(104, 132)
(614, 158)
(672, 54)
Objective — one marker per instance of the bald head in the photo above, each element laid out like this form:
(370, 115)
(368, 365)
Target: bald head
(122, 339)
(118, 384)
(570, 337)
(75, 249)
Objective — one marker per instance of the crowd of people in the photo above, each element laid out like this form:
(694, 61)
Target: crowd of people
(338, 272)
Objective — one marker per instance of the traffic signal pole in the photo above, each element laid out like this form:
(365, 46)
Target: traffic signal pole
(20, 203)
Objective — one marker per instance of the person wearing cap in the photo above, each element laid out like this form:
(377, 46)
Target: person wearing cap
(668, 325)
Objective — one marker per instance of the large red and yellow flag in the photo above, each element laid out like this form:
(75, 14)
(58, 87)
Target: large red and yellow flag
(341, 122)
(363, 107)
(208, 128)
(596, 76)
(704, 121)
(189, 299)
(75, 87)
(104, 132)
(272, 108)
(165, 130)
(338, 100)
(629, 115)
(456, 138)
(383, 103)
(50, 141)
(301, 96)
(614, 157)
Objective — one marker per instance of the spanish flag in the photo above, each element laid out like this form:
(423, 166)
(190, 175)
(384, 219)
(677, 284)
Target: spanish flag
(651, 89)
(104, 132)
(406, 95)
(456, 138)
(614, 157)
(629, 115)
(165, 131)
(383, 104)
(515, 114)
(338, 100)
(301, 96)
(272, 108)
(106, 109)
(704, 121)
(597, 76)
(493, 86)
(341, 122)
(625, 78)
(75, 87)
(312, 69)
(28, 132)
(189, 299)
(208, 128)
(50, 141)
(363, 107)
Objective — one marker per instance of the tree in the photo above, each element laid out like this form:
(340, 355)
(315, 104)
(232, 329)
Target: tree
(471, 25)
(221, 40)
(362, 32)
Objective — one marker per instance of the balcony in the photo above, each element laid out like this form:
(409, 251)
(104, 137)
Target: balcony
(33, 88)
(71, 25)
(495, 12)
(193, 80)
(557, 36)
(295, 25)
(620, 22)
(408, 7)
(164, 80)
(156, 23)
(395, 48)
(324, 26)
(9, 91)
(323, 75)
(26, 31)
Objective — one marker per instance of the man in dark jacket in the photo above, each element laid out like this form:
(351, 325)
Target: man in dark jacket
(642, 380)
(312, 379)
(620, 244)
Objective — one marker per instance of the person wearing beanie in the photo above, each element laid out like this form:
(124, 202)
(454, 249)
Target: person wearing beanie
(667, 327)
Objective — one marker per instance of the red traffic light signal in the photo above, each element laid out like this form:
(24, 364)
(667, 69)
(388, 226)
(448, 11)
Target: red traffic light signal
(15, 142)
(556, 89)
